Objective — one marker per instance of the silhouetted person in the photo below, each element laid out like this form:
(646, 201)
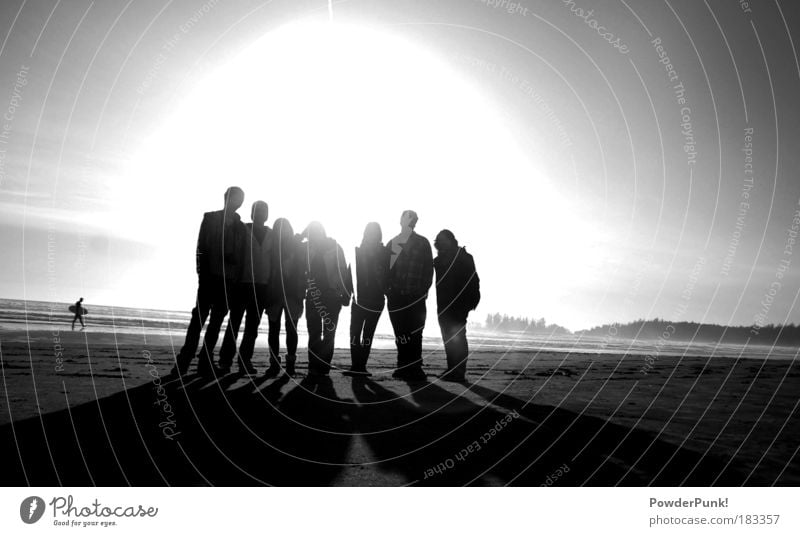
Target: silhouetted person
(78, 314)
(252, 296)
(220, 248)
(287, 290)
(372, 267)
(328, 287)
(457, 293)
(410, 277)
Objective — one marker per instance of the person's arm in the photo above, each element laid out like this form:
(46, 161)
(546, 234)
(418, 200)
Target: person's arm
(347, 274)
(269, 243)
(302, 268)
(242, 243)
(427, 259)
(383, 270)
(358, 266)
(202, 248)
(473, 284)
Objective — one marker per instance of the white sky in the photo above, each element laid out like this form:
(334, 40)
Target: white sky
(556, 160)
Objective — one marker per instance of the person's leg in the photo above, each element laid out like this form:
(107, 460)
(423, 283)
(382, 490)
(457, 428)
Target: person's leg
(219, 309)
(246, 349)
(74, 318)
(329, 326)
(356, 329)
(370, 325)
(293, 313)
(399, 314)
(294, 310)
(215, 320)
(274, 312)
(417, 315)
(314, 327)
(197, 319)
(80, 317)
(228, 350)
(446, 325)
(255, 310)
(461, 350)
(454, 335)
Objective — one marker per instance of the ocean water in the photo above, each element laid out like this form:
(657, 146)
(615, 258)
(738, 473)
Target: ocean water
(17, 315)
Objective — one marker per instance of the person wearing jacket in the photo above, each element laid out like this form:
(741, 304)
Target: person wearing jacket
(410, 277)
(220, 251)
(372, 266)
(457, 293)
(253, 293)
(329, 286)
(287, 290)
(78, 314)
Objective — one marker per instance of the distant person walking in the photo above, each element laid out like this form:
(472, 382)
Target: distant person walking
(410, 277)
(372, 267)
(457, 293)
(287, 290)
(329, 286)
(252, 296)
(220, 250)
(78, 314)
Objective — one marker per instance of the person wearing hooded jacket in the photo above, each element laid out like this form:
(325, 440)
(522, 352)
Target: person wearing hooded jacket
(457, 293)
(329, 286)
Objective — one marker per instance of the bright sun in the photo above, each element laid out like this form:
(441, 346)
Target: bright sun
(347, 124)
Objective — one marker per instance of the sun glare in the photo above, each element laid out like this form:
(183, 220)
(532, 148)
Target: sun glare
(347, 124)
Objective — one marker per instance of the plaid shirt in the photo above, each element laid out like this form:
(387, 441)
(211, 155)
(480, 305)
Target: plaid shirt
(412, 273)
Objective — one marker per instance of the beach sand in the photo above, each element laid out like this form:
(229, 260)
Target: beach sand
(92, 407)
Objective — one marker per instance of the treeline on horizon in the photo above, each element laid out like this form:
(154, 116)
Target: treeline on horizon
(658, 328)
(498, 322)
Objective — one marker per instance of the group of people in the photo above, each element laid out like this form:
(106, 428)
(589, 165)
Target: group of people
(246, 270)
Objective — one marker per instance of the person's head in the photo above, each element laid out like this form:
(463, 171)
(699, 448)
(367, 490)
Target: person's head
(284, 230)
(409, 219)
(81, 300)
(372, 234)
(283, 227)
(315, 233)
(259, 213)
(445, 241)
(234, 197)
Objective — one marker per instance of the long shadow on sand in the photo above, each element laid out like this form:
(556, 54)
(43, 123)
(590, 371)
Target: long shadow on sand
(602, 453)
(280, 432)
(223, 436)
